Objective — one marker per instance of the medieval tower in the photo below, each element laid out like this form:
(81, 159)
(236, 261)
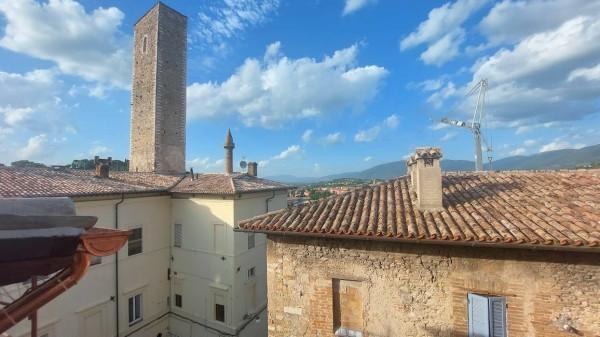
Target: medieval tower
(158, 92)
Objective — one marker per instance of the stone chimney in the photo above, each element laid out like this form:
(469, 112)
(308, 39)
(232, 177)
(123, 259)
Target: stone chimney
(102, 167)
(229, 146)
(426, 177)
(253, 168)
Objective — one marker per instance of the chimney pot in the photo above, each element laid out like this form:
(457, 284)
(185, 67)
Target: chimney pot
(426, 177)
(253, 169)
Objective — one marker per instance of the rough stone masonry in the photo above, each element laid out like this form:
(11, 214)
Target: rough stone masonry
(417, 290)
(158, 92)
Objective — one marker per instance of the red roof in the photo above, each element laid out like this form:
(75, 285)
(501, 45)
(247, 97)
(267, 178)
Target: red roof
(553, 209)
(46, 182)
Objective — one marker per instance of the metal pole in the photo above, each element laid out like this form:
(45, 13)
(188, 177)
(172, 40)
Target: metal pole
(478, 154)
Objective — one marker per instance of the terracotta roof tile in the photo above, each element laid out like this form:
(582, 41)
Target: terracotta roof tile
(545, 208)
(44, 182)
(218, 183)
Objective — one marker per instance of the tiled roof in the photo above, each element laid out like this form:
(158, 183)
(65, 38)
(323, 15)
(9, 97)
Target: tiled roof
(213, 183)
(550, 209)
(43, 182)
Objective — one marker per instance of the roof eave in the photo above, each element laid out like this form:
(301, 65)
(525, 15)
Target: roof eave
(523, 246)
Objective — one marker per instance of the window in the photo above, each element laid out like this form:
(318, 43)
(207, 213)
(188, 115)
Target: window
(178, 301)
(135, 242)
(487, 315)
(347, 308)
(219, 308)
(145, 44)
(135, 309)
(95, 260)
(250, 240)
(251, 272)
(219, 238)
(177, 237)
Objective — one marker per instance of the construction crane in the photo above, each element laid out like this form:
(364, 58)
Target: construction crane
(475, 125)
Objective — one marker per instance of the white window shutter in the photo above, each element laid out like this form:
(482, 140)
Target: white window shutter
(177, 237)
(478, 316)
(497, 316)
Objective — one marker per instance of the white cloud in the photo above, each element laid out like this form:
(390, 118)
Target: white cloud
(442, 31)
(529, 82)
(367, 135)
(438, 126)
(288, 152)
(221, 21)
(438, 98)
(511, 21)
(392, 121)
(333, 138)
(530, 142)
(291, 150)
(99, 150)
(307, 135)
(367, 159)
(448, 136)
(560, 144)
(88, 45)
(35, 148)
(205, 164)
(268, 93)
(518, 151)
(353, 5)
(588, 74)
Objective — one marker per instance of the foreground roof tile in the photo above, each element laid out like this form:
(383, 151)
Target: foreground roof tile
(549, 209)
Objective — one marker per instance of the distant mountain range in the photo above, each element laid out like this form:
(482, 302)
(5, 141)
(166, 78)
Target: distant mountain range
(559, 159)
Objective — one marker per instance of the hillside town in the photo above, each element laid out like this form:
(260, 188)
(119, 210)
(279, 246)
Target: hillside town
(160, 243)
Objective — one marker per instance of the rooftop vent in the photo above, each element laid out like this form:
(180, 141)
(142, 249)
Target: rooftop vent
(425, 174)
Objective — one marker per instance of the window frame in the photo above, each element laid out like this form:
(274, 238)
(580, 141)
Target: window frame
(131, 312)
(145, 44)
(140, 240)
(251, 240)
(178, 300)
(178, 239)
(251, 273)
(490, 317)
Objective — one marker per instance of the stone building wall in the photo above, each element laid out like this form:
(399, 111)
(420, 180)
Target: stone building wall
(421, 290)
(159, 92)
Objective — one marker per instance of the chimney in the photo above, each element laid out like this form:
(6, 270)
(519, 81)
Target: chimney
(102, 166)
(426, 177)
(229, 146)
(253, 168)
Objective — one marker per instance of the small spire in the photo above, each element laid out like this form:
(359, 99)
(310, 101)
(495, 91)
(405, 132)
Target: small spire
(229, 140)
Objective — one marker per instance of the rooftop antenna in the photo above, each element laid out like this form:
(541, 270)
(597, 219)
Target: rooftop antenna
(475, 125)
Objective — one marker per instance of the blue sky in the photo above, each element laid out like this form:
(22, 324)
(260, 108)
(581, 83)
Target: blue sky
(308, 88)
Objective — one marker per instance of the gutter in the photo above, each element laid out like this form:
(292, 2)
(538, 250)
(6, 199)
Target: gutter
(267, 202)
(117, 265)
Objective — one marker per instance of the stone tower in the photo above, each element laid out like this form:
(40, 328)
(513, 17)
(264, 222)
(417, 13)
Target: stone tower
(158, 92)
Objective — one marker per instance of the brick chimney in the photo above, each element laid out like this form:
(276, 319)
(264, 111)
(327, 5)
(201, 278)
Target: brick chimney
(229, 146)
(102, 167)
(426, 177)
(253, 168)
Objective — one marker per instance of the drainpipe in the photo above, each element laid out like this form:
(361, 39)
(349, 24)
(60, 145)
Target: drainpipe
(267, 202)
(117, 265)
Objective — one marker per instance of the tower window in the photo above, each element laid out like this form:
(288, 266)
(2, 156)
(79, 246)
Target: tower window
(178, 301)
(145, 44)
